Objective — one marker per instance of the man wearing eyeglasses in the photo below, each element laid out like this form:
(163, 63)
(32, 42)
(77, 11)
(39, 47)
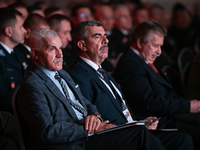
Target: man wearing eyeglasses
(81, 13)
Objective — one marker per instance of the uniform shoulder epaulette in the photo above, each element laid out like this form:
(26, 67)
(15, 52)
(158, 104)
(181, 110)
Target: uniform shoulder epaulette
(2, 53)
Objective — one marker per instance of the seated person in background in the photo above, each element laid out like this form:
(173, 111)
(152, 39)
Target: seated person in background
(101, 89)
(146, 87)
(57, 114)
(35, 10)
(123, 26)
(105, 15)
(21, 8)
(62, 25)
(13, 66)
(33, 22)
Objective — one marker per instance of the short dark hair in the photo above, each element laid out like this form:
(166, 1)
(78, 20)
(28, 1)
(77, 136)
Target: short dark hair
(8, 18)
(55, 20)
(17, 4)
(33, 21)
(81, 31)
(144, 31)
(50, 10)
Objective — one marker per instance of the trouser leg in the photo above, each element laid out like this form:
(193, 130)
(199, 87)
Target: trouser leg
(131, 138)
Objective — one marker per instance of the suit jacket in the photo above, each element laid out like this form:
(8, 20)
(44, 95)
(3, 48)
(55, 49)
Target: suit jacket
(96, 92)
(26, 54)
(53, 124)
(148, 93)
(12, 71)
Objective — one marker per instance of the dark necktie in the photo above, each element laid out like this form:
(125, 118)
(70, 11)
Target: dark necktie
(153, 67)
(80, 109)
(107, 80)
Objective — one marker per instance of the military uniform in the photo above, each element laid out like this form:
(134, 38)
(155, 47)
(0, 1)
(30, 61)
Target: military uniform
(13, 69)
(26, 54)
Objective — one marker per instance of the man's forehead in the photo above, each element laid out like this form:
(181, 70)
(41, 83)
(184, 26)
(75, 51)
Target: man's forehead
(96, 29)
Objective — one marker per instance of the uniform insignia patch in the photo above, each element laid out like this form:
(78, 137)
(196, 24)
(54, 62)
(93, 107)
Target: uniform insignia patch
(25, 65)
(2, 53)
(28, 56)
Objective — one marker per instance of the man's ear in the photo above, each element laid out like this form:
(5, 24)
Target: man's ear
(34, 54)
(81, 44)
(8, 31)
(28, 33)
(139, 43)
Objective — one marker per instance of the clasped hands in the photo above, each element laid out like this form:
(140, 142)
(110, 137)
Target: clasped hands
(93, 124)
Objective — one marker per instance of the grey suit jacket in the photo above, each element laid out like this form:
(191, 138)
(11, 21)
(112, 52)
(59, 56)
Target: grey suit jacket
(52, 122)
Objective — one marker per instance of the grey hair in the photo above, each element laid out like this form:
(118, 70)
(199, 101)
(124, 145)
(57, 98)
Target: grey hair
(81, 31)
(145, 30)
(38, 38)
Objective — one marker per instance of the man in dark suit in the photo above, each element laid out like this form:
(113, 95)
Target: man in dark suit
(32, 23)
(101, 89)
(57, 114)
(146, 87)
(13, 66)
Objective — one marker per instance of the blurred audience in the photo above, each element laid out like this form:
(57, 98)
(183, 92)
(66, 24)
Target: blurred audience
(21, 8)
(123, 26)
(35, 10)
(32, 23)
(53, 10)
(81, 13)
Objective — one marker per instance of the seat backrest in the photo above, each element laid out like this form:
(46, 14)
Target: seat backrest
(184, 57)
(186, 73)
(16, 116)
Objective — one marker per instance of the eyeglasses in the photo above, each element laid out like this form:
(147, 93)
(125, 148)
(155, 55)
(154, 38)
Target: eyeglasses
(83, 15)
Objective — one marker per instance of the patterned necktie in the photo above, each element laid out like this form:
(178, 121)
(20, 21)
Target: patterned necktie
(80, 109)
(106, 79)
(154, 68)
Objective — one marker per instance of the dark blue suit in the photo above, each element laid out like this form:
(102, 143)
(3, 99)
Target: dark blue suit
(150, 94)
(13, 68)
(95, 91)
(147, 92)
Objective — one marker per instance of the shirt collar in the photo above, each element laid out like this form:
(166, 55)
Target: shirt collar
(27, 47)
(125, 32)
(90, 63)
(7, 48)
(48, 72)
(138, 53)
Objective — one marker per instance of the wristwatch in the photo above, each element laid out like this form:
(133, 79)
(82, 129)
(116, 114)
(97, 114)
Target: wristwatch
(98, 115)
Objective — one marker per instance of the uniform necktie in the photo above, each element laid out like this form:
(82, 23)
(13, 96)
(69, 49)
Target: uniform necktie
(80, 109)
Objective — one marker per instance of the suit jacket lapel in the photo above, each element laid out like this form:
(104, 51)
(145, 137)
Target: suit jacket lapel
(54, 89)
(156, 76)
(93, 74)
(71, 84)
